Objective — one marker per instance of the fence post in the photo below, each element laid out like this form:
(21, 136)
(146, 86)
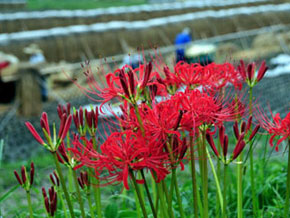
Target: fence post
(29, 92)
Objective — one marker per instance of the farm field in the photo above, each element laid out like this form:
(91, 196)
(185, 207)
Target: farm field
(87, 132)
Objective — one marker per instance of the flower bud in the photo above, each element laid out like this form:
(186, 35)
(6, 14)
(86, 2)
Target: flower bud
(211, 143)
(262, 71)
(243, 126)
(236, 130)
(238, 149)
(23, 174)
(225, 147)
(31, 173)
(254, 132)
(249, 124)
(18, 177)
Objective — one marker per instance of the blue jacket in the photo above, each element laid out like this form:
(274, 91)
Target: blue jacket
(181, 39)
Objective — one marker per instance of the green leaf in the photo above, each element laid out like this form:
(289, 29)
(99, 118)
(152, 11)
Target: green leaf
(111, 211)
(127, 214)
(6, 195)
(122, 196)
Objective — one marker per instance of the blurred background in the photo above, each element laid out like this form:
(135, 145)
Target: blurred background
(44, 42)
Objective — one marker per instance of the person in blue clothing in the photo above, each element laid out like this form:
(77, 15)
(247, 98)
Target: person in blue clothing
(182, 39)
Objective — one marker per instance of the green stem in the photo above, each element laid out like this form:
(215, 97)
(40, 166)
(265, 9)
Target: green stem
(70, 180)
(216, 181)
(219, 179)
(193, 178)
(168, 198)
(138, 209)
(79, 194)
(157, 201)
(90, 204)
(139, 119)
(62, 202)
(287, 203)
(148, 195)
(162, 201)
(252, 173)
(29, 204)
(240, 186)
(225, 191)
(204, 177)
(62, 182)
(97, 192)
(177, 193)
(139, 195)
(98, 198)
(171, 194)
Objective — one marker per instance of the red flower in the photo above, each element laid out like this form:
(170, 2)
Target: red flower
(121, 154)
(63, 130)
(248, 73)
(203, 108)
(121, 83)
(161, 120)
(276, 127)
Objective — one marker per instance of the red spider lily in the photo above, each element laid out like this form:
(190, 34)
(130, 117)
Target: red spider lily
(50, 201)
(161, 120)
(54, 179)
(92, 118)
(78, 118)
(203, 108)
(224, 140)
(23, 181)
(120, 154)
(118, 84)
(83, 180)
(248, 73)
(277, 127)
(63, 109)
(63, 130)
(212, 75)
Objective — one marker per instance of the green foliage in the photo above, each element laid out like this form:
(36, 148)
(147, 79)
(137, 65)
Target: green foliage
(111, 211)
(270, 168)
(75, 4)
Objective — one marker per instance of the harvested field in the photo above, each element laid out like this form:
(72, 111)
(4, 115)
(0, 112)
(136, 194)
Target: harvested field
(23, 21)
(76, 43)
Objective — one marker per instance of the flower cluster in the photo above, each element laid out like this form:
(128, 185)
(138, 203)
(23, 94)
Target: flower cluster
(166, 115)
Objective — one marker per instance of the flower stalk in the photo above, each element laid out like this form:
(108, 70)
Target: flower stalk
(63, 185)
(287, 200)
(142, 204)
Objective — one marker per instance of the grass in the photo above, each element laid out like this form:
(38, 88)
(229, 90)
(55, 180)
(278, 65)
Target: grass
(270, 168)
(76, 4)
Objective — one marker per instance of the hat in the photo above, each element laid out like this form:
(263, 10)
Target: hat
(8, 73)
(32, 49)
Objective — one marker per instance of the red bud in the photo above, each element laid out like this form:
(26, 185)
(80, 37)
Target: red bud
(131, 82)
(23, 174)
(81, 183)
(211, 143)
(56, 177)
(225, 147)
(31, 173)
(238, 149)
(262, 71)
(34, 133)
(243, 126)
(249, 123)
(221, 134)
(254, 132)
(52, 179)
(236, 130)
(46, 203)
(18, 177)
